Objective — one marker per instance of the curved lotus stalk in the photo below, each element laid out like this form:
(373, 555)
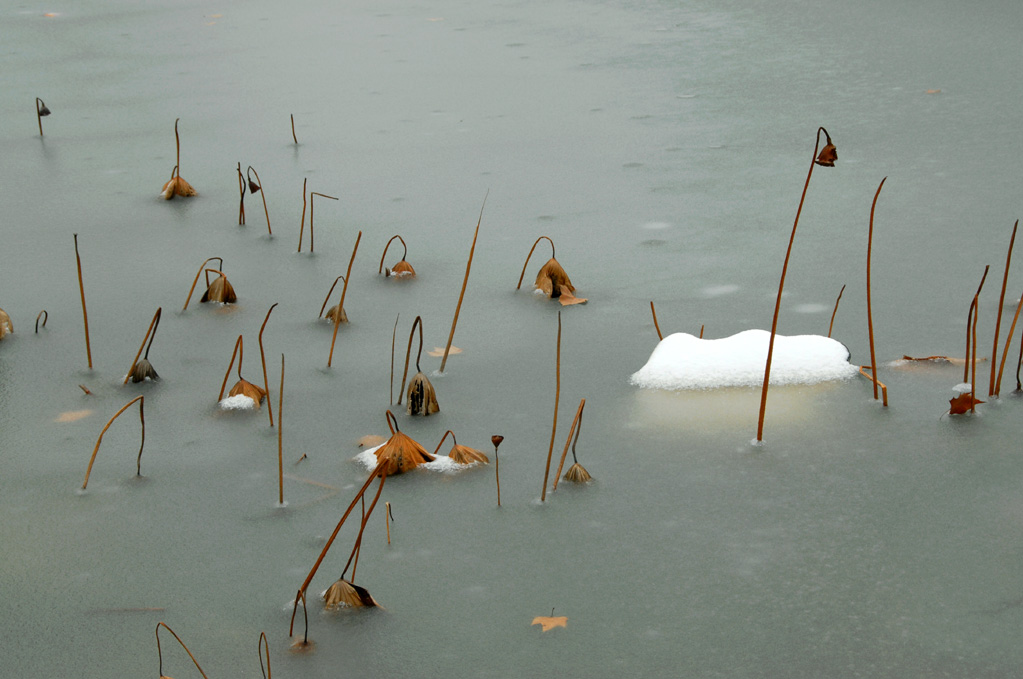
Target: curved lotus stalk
(264, 643)
(159, 651)
(422, 397)
(202, 267)
(400, 270)
(576, 473)
(220, 290)
(85, 313)
(242, 387)
(140, 370)
(41, 112)
(142, 418)
(262, 360)
(42, 315)
(400, 452)
(177, 186)
(462, 454)
(7, 327)
(552, 278)
(257, 187)
(336, 314)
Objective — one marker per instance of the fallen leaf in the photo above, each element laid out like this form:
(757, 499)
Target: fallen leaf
(933, 91)
(962, 403)
(72, 415)
(439, 351)
(549, 622)
(371, 441)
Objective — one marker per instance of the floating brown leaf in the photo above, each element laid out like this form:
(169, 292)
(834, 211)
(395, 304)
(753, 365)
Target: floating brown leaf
(549, 622)
(72, 415)
(422, 398)
(246, 388)
(343, 594)
(220, 290)
(963, 403)
(5, 324)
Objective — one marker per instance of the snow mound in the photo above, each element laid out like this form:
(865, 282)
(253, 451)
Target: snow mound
(239, 402)
(683, 361)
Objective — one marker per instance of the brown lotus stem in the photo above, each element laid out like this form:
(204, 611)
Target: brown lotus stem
(781, 285)
(264, 643)
(262, 193)
(159, 651)
(1008, 342)
(973, 374)
(85, 314)
(701, 332)
(564, 453)
(388, 518)
(41, 111)
(969, 325)
(379, 471)
(404, 253)
(301, 228)
(280, 437)
(884, 389)
(991, 391)
(262, 359)
(523, 274)
(835, 311)
(394, 333)
(554, 427)
(202, 267)
(300, 595)
(239, 350)
(497, 467)
(312, 213)
(43, 315)
(362, 528)
(293, 128)
(653, 312)
(408, 353)
(465, 282)
(392, 421)
(870, 316)
(85, 389)
(142, 418)
(150, 334)
(177, 145)
(329, 293)
(344, 291)
(453, 440)
(241, 199)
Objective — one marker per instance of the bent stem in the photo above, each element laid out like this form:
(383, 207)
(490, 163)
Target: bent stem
(465, 282)
(394, 333)
(969, 325)
(577, 420)
(380, 269)
(344, 291)
(262, 359)
(870, 317)
(150, 335)
(239, 351)
(653, 312)
(833, 313)
(329, 293)
(41, 111)
(408, 352)
(991, 391)
(312, 212)
(453, 440)
(365, 519)
(202, 267)
(263, 643)
(259, 183)
(301, 228)
(300, 595)
(159, 651)
(43, 315)
(554, 427)
(142, 418)
(1005, 351)
(85, 314)
(523, 274)
(781, 285)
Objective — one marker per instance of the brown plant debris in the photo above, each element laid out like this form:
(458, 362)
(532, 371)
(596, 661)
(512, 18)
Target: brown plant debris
(370, 441)
(462, 454)
(6, 326)
(400, 452)
(577, 474)
(220, 290)
(245, 388)
(422, 397)
(963, 403)
(439, 351)
(549, 622)
(344, 594)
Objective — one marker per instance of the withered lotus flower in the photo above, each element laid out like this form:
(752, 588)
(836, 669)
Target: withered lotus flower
(220, 290)
(5, 324)
(552, 278)
(242, 387)
(400, 270)
(344, 594)
(828, 155)
(462, 454)
(245, 388)
(422, 397)
(401, 452)
(177, 186)
(143, 370)
(577, 474)
(337, 315)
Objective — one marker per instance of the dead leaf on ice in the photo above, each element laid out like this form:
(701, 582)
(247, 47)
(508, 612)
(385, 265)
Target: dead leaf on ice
(549, 622)
(439, 351)
(371, 441)
(72, 415)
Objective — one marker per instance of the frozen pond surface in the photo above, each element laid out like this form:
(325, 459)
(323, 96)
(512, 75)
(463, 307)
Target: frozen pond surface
(662, 147)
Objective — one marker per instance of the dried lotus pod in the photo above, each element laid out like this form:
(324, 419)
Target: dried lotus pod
(5, 324)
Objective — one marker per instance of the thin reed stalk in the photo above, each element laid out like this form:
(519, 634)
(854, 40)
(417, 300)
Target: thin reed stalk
(388, 518)
(159, 651)
(657, 327)
(418, 323)
(312, 217)
(537, 242)
(85, 313)
(202, 267)
(554, 426)
(998, 319)
(262, 359)
(394, 333)
(293, 128)
(568, 442)
(239, 351)
(329, 293)
(344, 291)
(383, 255)
(150, 335)
(241, 198)
(41, 112)
(264, 644)
(280, 437)
(95, 450)
(835, 312)
(884, 389)
(1005, 351)
(496, 440)
(870, 316)
(973, 374)
(465, 282)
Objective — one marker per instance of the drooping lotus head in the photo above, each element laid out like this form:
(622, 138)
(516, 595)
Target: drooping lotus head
(401, 453)
(249, 390)
(422, 398)
(220, 290)
(401, 270)
(344, 594)
(5, 324)
(143, 370)
(177, 186)
(337, 315)
(577, 474)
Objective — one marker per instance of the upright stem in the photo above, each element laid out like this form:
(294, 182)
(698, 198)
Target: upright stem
(1008, 342)
(394, 333)
(465, 282)
(653, 312)
(293, 128)
(280, 439)
(344, 291)
(554, 427)
(238, 348)
(177, 145)
(85, 314)
(301, 228)
(40, 107)
(781, 286)
(262, 359)
(241, 199)
(973, 374)
(264, 643)
(1001, 301)
(870, 317)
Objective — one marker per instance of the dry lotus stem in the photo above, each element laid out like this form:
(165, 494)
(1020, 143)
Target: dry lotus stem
(177, 186)
(336, 314)
(552, 278)
(826, 158)
(1005, 351)
(262, 360)
(465, 282)
(220, 290)
(344, 291)
(242, 387)
(43, 315)
(264, 643)
(422, 397)
(257, 187)
(41, 112)
(554, 426)
(870, 316)
(312, 211)
(280, 439)
(1001, 301)
(303, 644)
(142, 419)
(884, 389)
(657, 327)
(241, 199)
(394, 333)
(496, 440)
(202, 267)
(400, 270)
(293, 128)
(159, 651)
(7, 327)
(835, 311)
(969, 326)
(85, 314)
(568, 442)
(140, 370)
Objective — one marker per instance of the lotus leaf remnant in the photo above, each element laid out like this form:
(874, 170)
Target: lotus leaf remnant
(552, 279)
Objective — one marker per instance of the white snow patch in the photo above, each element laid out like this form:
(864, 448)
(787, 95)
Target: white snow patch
(719, 290)
(239, 402)
(683, 361)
